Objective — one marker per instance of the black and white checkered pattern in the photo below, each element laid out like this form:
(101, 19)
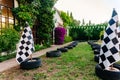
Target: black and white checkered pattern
(109, 52)
(26, 45)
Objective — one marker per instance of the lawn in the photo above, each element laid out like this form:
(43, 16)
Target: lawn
(76, 64)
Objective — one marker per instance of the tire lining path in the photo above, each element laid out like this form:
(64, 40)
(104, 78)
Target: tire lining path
(8, 64)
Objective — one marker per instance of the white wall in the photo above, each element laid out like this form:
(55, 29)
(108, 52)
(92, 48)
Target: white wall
(15, 3)
(57, 19)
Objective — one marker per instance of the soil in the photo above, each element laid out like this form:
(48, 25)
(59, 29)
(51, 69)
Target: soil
(16, 73)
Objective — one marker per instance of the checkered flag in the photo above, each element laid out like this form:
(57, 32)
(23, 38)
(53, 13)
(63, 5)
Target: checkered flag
(26, 45)
(109, 52)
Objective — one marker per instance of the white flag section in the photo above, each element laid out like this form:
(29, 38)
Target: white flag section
(109, 52)
(26, 45)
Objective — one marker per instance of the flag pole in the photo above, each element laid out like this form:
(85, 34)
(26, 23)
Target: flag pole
(26, 45)
(111, 67)
(31, 54)
(31, 57)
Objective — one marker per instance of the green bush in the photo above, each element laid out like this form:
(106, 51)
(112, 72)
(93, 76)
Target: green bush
(17, 28)
(39, 47)
(101, 35)
(6, 57)
(3, 43)
(67, 39)
(87, 32)
(8, 39)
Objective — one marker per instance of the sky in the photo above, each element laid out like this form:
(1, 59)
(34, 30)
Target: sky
(98, 11)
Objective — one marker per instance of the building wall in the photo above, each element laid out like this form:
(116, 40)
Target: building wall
(6, 17)
(57, 18)
(15, 3)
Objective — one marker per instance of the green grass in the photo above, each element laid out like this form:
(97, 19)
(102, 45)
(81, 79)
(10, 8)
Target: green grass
(76, 64)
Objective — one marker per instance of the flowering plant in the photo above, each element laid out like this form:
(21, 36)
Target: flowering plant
(59, 35)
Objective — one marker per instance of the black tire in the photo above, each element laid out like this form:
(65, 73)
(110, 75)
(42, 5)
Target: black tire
(74, 43)
(90, 42)
(93, 44)
(96, 46)
(96, 58)
(116, 65)
(96, 51)
(63, 49)
(69, 47)
(107, 74)
(55, 53)
(28, 64)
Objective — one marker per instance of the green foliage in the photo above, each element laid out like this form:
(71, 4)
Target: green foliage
(67, 39)
(101, 35)
(39, 47)
(86, 32)
(36, 12)
(45, 21)
(66, 18)
(6, 57)
(8, 39)
(17, 28)
(26, 11)
(75, 35)
(25, 16)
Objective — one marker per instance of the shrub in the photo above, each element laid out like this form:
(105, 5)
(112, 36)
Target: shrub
(45, 21)
(6, 57)
(8, 39)
(39, 47)
(59, 35)
(101, 35)
(91, 32)
(67, 39)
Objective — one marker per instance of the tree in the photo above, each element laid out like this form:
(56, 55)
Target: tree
(83, 22)
(45, 21)
(66, 18)
(26, 11)
(37, 12)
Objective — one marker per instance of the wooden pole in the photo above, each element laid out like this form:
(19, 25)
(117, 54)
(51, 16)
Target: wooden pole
(31, 57)
(111, 67)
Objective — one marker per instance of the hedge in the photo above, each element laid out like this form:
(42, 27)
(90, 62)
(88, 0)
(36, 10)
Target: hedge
(86, 32)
